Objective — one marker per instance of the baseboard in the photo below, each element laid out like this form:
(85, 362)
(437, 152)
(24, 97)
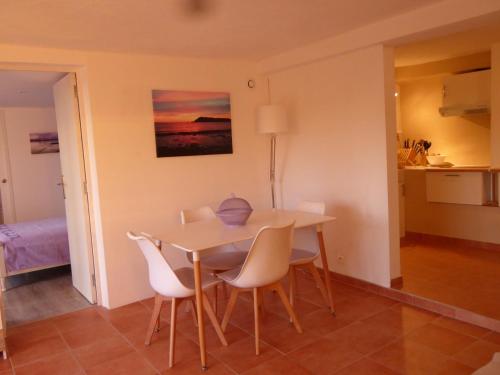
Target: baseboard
(405, 241)
(420, 302)
(433, 239)
(397, 282)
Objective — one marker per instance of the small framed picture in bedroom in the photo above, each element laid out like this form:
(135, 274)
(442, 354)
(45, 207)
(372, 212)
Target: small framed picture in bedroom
(44, 143)
(192, 123)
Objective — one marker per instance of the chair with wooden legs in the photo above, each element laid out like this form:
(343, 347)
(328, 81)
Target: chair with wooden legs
(266, 265)
(190, 304)
(174, 285)
(217, 259)
(305, 258)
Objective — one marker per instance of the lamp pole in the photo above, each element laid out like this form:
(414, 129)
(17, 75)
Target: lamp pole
(272, 169)
(271, 120)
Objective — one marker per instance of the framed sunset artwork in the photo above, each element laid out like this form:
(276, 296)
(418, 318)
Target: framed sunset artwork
(192, 123)
(44, 143)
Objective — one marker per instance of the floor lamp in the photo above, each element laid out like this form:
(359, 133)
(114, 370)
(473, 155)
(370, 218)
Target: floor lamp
(271, 119)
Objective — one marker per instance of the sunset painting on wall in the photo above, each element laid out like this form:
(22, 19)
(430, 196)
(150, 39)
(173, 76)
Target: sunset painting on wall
(192, 123)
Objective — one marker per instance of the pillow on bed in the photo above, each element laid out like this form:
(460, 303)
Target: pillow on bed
(7, 233)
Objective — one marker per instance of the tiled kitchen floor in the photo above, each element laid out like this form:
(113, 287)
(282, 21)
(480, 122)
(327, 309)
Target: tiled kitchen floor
(370, 335)
(459, 275)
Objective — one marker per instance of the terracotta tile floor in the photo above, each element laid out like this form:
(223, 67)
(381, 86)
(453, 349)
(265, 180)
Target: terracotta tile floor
(457, 275)
(370, 335)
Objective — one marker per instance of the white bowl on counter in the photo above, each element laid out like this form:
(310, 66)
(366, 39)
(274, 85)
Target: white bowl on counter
(436, 159)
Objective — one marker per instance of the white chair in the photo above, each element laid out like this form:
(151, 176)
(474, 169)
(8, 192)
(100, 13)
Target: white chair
(266, 264)
(175, 285)
(217, 259)
(156, 241)
(306, 258)
(222, 258)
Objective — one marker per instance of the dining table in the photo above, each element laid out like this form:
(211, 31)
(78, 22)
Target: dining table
(199, 236)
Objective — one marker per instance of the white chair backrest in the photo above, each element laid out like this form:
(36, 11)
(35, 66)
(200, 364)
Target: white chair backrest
(156, 241)
(200, 214)
(161, 276)
(268, 259)
(197, 214)
(312, 207)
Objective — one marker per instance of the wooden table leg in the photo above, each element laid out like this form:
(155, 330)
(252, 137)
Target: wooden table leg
(324, 261)
(199, 309)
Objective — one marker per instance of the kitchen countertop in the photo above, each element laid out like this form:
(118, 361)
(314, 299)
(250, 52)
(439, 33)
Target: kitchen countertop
(456, 168)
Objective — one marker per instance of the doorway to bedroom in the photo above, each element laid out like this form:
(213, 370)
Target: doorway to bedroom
(46, 262)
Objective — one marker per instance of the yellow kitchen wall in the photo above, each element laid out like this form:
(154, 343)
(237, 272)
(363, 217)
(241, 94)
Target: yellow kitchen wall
(472, 140)
(469, 222)
(481, 60)
(464, 140)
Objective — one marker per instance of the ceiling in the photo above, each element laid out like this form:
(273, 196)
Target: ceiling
(450, 46)
(251, 29)
(27, 89)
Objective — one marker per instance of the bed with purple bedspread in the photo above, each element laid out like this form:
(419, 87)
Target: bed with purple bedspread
(33, 244)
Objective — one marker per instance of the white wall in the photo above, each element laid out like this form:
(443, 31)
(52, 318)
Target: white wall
(337, 152)
(393, 187)
(342, 97)
(33, 176)
(131, 189)
(139, 191)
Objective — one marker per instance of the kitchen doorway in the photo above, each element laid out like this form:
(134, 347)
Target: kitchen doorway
(448, 172)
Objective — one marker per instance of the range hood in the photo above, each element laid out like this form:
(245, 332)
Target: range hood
(466, 94)
(464, 110)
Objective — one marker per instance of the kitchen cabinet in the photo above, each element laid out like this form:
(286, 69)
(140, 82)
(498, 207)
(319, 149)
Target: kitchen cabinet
(466, 93)
(455, 187)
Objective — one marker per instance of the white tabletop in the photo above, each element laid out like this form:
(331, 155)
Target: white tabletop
(201, 235)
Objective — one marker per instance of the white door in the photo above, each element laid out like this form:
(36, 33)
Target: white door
(8, 210)
(74, 184)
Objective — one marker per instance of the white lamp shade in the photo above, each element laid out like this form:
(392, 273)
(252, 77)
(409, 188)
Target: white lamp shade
(271, 119)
